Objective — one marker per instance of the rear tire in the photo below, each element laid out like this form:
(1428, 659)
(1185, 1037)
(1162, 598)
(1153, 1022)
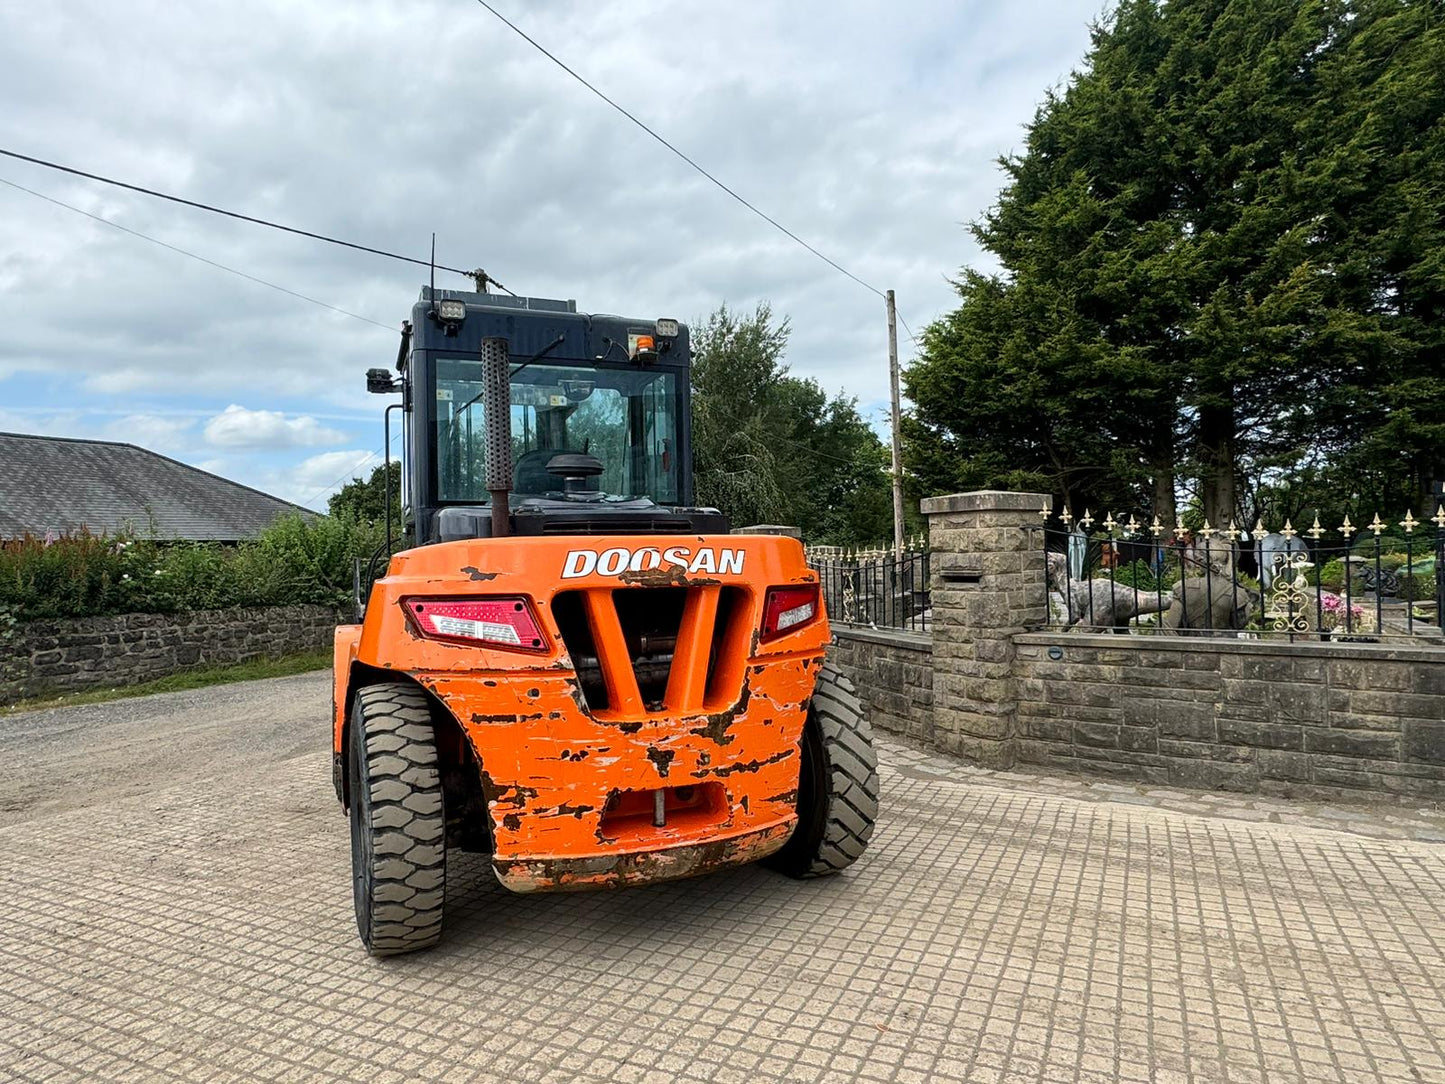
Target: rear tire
(837, 784)
(398, 823)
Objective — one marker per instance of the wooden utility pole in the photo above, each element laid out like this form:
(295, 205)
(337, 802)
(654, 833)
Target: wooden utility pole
(897, 446)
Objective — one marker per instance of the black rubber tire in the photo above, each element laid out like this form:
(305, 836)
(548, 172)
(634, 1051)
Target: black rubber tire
(398, 822)
(837, 784)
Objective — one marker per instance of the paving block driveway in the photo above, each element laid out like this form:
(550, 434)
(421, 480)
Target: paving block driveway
(176, 907)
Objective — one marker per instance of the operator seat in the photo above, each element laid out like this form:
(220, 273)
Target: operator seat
(530, 475)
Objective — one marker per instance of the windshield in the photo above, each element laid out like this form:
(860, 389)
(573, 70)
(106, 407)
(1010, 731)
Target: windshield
(627, 418)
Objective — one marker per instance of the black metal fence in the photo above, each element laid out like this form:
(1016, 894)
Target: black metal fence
(1380, 582)
(875, 588)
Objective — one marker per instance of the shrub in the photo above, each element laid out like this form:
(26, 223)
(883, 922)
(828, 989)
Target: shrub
(1419, 587)
(1390, 541)
(1331, 577)
(1137, 575)
(72, 576)
(313, 559)
(295, 560)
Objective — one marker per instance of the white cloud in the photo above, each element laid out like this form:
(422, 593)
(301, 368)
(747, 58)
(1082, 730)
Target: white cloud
(239, 427)
(168, 433)
(331, 467)
(312, 480)
(874, 138)
(308, 482)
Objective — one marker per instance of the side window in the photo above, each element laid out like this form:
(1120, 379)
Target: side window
(461, 438)
(659, 440)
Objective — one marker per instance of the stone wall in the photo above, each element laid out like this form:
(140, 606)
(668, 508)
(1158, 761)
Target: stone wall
(893, 673)
(42, 657)
(1304, 718)
(1248, 715)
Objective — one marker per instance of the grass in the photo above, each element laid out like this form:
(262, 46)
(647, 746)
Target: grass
(199, 678)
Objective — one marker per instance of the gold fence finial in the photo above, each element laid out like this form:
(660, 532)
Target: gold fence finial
(1087, 520)
(1439, 517)
(1207, 532)
(1289, 531)
(1347, 528)
(1047, 510)
(1316, 530)
(1233, 532)
(1133, 525)
(1376, 525)
(1066, 517)
(1179, 529)
(1260, 528)
(1409, 522)
(1156, 528)
(1110, 523)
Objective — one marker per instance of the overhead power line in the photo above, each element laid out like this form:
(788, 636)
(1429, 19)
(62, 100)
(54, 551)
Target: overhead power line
(761, 214)
(192, 255)
(352, 472)
(243, 218)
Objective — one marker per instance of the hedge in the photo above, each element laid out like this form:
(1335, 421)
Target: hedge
(296, 560)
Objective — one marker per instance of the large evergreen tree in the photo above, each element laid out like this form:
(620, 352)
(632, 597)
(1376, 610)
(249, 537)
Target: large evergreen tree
(1221, 253)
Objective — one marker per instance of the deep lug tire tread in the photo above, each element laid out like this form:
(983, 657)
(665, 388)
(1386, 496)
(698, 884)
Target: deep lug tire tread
(833, 834)
(399, 859)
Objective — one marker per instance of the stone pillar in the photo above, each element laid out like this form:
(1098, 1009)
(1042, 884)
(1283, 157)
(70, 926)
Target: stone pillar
(987, 585)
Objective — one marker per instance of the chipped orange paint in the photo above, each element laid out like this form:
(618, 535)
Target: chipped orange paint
(550, 764)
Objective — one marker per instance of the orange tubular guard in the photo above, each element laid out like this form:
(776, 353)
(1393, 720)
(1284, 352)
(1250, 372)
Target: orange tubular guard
(570, 788)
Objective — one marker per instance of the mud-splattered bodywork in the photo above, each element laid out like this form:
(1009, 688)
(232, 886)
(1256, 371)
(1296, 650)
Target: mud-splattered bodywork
(570, 777)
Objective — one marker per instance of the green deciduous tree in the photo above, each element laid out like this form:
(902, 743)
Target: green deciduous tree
(773, 448)
(1222, 267)
(364, 499)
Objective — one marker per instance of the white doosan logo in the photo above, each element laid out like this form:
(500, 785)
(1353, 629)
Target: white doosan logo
(614, 562)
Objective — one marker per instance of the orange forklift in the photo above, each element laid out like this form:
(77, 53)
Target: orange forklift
(570, 667)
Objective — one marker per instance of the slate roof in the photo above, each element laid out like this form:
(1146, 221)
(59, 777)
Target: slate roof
(58, 484)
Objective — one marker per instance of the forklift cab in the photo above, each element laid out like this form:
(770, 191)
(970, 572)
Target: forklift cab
(600, 420)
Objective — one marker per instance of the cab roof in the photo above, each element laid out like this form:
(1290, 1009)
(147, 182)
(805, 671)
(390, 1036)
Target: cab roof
(533, 324)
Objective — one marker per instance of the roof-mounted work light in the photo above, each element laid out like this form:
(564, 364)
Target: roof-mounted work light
(449, 313)
(667, 329)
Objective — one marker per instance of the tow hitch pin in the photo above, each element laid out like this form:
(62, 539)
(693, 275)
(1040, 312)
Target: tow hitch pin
(659, 815)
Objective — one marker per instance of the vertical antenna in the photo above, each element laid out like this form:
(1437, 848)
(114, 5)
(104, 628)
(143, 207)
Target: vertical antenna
(433, 269)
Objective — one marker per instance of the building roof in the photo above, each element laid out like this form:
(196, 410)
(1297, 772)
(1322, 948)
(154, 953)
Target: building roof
(56, 484)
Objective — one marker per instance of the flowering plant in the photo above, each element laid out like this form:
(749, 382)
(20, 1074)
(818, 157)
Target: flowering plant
(1334, 611)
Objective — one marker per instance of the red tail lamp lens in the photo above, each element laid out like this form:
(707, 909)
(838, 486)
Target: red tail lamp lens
(497, 622)
(789, 608)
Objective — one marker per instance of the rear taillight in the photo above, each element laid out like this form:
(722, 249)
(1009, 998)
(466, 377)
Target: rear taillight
(497, 622)
(788, 608)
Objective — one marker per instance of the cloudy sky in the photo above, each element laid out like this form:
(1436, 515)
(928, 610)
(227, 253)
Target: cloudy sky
(870, 129)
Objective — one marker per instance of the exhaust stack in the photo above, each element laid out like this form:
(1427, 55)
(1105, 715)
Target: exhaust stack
(497, 406)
